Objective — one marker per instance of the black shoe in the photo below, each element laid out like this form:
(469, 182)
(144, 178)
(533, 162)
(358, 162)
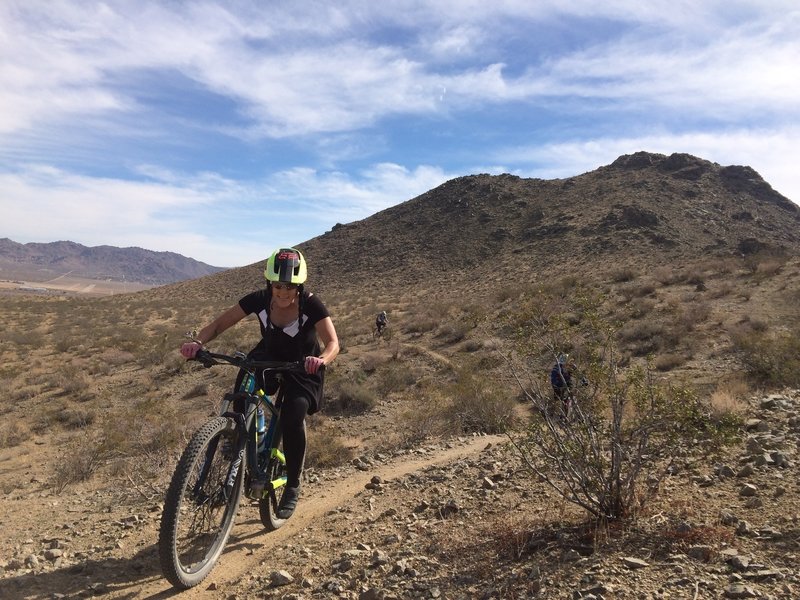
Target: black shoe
(288, 502)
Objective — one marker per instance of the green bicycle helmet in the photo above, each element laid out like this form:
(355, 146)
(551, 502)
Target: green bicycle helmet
(286, 265)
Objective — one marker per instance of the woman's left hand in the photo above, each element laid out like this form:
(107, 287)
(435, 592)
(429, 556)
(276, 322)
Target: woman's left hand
(314, 364)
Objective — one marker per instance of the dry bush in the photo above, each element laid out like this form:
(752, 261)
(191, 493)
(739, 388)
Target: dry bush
(200, 389)
(693, 315)
(350, 397)
(622, 275)
(667, 276)
(730, 397)
(30, 338)
(326, 448)
(451, 333)
(13, 433)
(425, 419)
(639, 307)
(74, 418)
(625, 426)
(76, 462)
(763, 265)
(371, 361)
(471, 345)
(394, 378)
(667, 362)
(722, 291)
(770, 359)
(478, 404)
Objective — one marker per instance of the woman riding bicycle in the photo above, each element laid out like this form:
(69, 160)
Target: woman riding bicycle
(293, 322)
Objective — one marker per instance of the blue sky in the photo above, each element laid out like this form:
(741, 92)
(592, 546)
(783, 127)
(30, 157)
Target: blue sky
(221, 130)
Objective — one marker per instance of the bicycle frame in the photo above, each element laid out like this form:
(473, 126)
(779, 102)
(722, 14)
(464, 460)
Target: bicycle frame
(244, 418)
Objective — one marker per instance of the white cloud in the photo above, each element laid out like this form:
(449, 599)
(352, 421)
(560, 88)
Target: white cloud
(328, 72)
(204, 216)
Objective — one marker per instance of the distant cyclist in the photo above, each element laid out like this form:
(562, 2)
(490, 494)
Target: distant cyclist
(381, 321)
(561, 380)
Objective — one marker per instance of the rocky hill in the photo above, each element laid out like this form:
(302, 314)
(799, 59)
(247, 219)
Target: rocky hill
(642, 210)
(41, 262)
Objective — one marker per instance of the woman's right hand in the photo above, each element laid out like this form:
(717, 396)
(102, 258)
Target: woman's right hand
(189, 349)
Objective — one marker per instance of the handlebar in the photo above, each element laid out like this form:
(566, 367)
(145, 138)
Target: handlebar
(209, 359)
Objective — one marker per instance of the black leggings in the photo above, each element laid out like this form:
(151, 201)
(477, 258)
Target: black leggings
(293, 429)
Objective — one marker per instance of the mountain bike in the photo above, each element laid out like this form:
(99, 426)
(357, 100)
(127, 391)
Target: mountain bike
(230, 454)
(385, 332)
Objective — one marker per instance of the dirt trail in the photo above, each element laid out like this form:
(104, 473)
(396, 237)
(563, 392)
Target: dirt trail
(250, 544)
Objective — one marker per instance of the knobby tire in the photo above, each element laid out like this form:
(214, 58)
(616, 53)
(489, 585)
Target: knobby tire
(268, 504)
(198, 515)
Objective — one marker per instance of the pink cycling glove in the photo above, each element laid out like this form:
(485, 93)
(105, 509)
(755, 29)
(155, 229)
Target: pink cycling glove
(313, 364)
(189, 349)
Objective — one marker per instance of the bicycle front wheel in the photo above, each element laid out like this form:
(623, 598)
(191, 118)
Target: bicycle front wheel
(201, 504)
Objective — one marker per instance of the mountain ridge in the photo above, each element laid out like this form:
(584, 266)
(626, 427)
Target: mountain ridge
(36, 261)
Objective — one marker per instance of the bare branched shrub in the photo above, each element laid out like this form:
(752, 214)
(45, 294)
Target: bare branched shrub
(625, 427)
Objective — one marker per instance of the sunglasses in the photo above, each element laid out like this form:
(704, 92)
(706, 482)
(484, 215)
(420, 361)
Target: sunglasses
(284, 286)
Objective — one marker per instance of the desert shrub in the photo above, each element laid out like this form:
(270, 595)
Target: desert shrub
(426, 419)
(724, 289)
(13, 433)
(693, 314)
(641, 331)
(667, 362)
(74, 418)
(420, 325)
(200, 389)
(370, 362)
(394, 378)
(23, 337)
(477, 404)
(695, 278)
(639, 307)
(76, 462)
(450, 333)
(351, 397)
(626, 427)
(326, 448)
(471, 346)
(770, 359)
(667, 276)
(622, 275)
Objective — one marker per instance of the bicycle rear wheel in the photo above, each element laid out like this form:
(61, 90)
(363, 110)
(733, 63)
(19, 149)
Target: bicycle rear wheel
(201, 504)
(268, 504)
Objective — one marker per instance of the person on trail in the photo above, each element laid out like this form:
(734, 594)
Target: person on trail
(561, 379)
(293, 321)
(381, 321)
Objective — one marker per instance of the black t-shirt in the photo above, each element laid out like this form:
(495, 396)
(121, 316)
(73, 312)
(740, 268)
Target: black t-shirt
(291, 343)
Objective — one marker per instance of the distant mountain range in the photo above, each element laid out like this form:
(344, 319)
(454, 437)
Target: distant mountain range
(39, 262)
